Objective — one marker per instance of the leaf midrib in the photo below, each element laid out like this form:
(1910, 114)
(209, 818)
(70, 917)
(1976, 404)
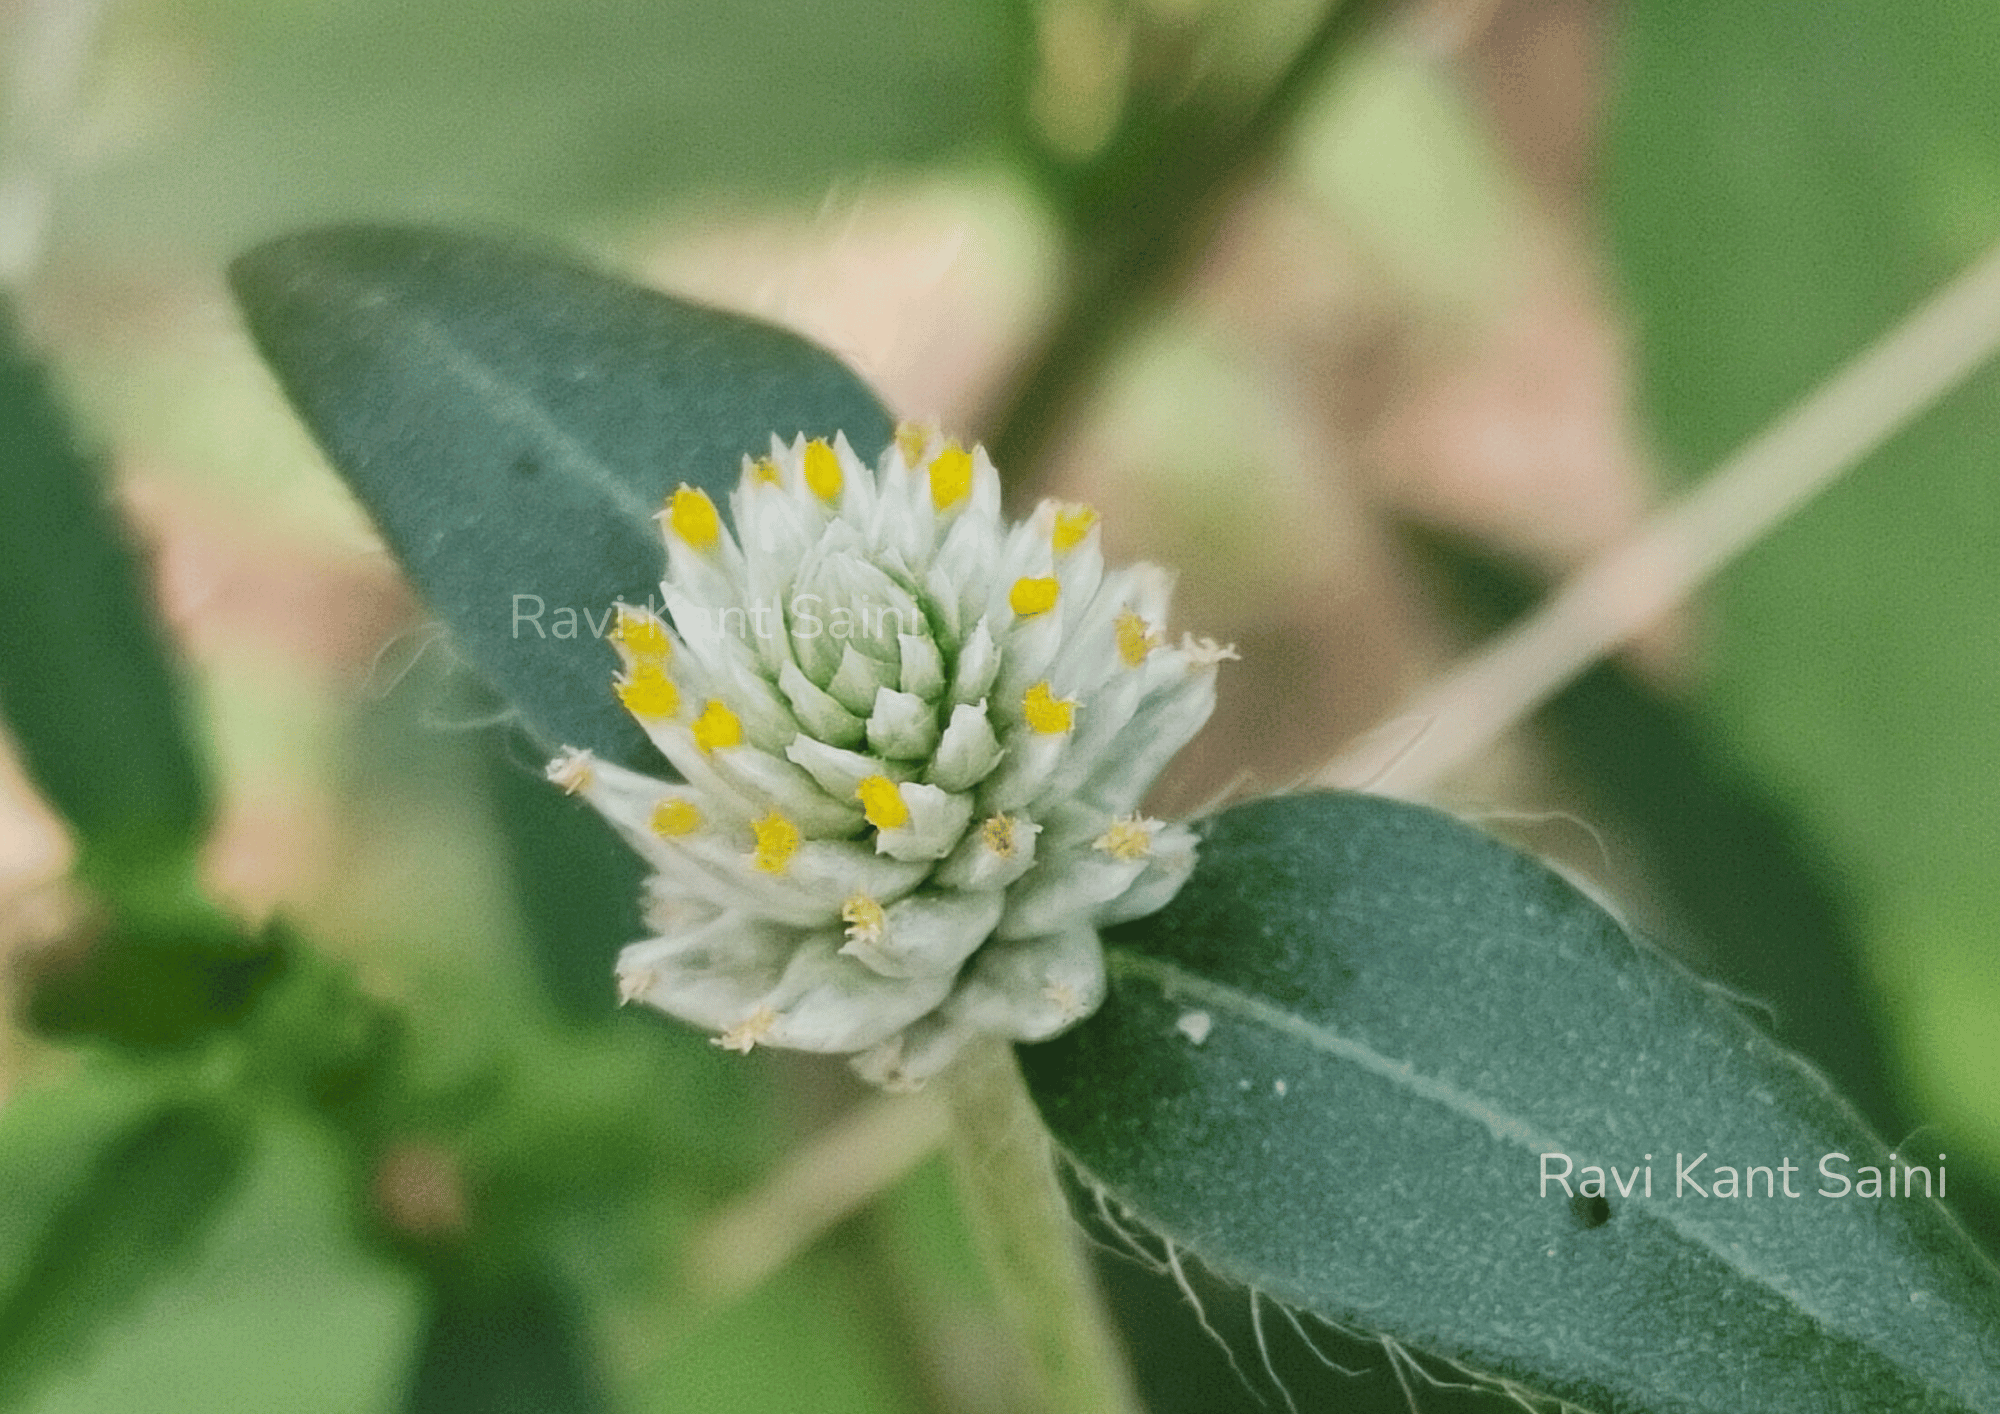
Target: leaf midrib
(514, 406)
(1175, 982)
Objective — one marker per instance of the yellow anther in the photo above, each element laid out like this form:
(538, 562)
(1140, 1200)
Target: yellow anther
(674, 817)
(777, 842)
(1130, 837)
(1073, 522)
(764, 472)
(823, 475)
(717, 726)
(693, 518)
(643, 635)
(864, 919)
(1046, 713)
(998, 836)
(1136, 638)
(1029, 597)
(951, 477)
(911, 439)
(745, 1034)
(882, 803)
(648, 693)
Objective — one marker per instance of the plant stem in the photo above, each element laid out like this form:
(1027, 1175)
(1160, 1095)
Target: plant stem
(1138, 217)
(1004, 1164)
(1634, 584)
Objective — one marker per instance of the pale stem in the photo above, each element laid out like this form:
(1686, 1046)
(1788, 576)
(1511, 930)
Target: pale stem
(1621, 593)
(1005, 1166)
(858, 1158)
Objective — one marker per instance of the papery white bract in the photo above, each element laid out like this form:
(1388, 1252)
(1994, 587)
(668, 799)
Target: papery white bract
(914, 740)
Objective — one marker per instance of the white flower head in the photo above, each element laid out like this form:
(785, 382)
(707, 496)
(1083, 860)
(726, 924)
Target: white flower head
(913, 739)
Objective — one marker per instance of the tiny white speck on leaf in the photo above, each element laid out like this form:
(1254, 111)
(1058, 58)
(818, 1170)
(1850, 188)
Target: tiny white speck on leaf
(1280, 1087)
(1195, 1025)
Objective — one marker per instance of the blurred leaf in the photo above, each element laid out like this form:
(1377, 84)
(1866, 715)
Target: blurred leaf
(325, 1044)
(513, 421)
(259, 116)
(1405, 1016)
(797, 1342)
(159, 988)
(86, 684)
(576, 883)
(521, 1347)
(52, 1134)
(1785, 181)
(142, 1206)
(279, 1306)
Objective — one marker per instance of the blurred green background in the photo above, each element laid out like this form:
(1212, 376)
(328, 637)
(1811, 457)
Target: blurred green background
(1370, 342)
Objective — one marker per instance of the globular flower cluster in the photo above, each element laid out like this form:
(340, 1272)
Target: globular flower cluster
(913, 738)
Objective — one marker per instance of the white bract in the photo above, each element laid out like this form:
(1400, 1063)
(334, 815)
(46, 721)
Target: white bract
(914, 740)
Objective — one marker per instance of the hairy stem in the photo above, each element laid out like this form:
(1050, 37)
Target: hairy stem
(1005, 1167)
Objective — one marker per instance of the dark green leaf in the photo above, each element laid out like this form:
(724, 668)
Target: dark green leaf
(513, 420)
(519, 1346)
(157, 989)
(1405, 1016)
(85, 681)
(577, 884)
(1200, 1345)
(140, 1207)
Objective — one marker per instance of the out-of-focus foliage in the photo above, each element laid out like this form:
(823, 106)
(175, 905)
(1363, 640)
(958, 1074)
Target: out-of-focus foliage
(241, 118)
(1785, 181)
(85, 681)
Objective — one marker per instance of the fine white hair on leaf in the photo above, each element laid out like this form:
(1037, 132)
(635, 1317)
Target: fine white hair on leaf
(1264, 1352)
(1398, 1358)
(1307, 1341)
(1131, 1240)
(1201, 1315)
(1130, 1243)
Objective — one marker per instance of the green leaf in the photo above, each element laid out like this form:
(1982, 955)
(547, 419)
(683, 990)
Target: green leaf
(86, 684)
(518, 1347)
(153, 990)
(512, 420)
(1405, 1015)
(1785, 180)
(576, 884)
(522, 112)
(1200, 1345)
(133, 1214)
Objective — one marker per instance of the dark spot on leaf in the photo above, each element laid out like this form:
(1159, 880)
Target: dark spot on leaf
(526, 465)
(1590, 1209)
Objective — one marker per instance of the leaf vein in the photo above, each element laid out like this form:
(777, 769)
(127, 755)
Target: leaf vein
(510, 404)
